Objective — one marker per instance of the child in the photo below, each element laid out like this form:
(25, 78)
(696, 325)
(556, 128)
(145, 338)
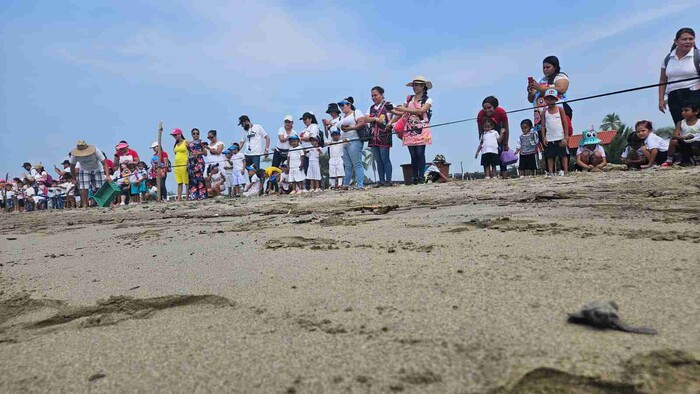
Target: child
(433, 172)
(29, 194)
(252, 189)
(555, 130)
(216, 181)
(152, 193)
(590, 156)
(633, 155)
(490, 139)
(655, 148)
(336, 169)
(238, 163)
(228, 170)
(273, 177)
(313, 173)
(138, 182)
(284, 186)
(68, 190)
(9, 197)
(527, 147)
(686, 134)
(295, 160)
(121, 176)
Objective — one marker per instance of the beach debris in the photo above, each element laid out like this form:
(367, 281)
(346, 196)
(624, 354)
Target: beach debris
(96, 377)
(604, 314)
(386, 209)
(545, 196)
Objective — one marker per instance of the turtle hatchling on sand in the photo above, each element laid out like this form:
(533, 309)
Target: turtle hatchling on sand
(603, 314)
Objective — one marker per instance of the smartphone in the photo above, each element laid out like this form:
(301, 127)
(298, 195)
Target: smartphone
(530, 81)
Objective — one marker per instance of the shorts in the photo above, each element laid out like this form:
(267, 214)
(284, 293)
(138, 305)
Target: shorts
(490, 159)
(336, 169)
(237, 178)
(141, 188)
(661, 157)
(553, 149)
(90, 179)
(528, 162)
(296, 175)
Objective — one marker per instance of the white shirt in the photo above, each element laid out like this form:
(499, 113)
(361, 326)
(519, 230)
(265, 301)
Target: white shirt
(294, 158)
(92, 162)
(678, 69)
(432, 168)
(555, 130)
(597, 148)
(334, 124)
(653, 141)
(311, 131)
(335, 149)
(254, 184)
(216, 159)
(254, 140)
(68, 188)
(349, 120)
(313, 154)
(237, 161)
(283, 132)
(489, 142)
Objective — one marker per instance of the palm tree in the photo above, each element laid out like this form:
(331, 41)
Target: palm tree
(367, 160)
(611, 122)
(614, 149)
(665, 132)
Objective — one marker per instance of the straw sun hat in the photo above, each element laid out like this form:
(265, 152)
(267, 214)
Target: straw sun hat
(421, 79)
(82, 149)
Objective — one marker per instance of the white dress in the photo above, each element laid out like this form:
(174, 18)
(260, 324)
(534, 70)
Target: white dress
(336, 168)
(294, 162)
(314, 171)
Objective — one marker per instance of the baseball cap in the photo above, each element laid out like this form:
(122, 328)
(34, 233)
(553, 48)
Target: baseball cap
(289, 118)
(551, 92)
(243, 118)
(307, 115)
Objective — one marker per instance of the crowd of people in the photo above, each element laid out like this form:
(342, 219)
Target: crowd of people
(209, 168)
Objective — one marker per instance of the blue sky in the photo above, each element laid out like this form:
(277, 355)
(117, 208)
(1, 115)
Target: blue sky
(105, 71)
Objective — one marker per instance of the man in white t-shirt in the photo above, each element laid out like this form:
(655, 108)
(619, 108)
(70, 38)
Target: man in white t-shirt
(254, 135)
(93, 169)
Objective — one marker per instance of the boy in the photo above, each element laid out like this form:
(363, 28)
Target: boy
(555, 131)
(69, 190)
(238, 164)
(228, 171)
(527, 147)
(252, 189)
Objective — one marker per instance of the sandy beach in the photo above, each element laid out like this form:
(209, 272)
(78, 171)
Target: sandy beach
(461, 287)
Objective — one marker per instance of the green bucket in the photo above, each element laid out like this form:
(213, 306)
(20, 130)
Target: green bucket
(106, 194)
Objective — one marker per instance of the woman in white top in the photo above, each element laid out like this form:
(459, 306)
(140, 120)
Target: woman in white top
(214, 148)
(311, 131)
(351, 120)
(283, 134)
(678, 65)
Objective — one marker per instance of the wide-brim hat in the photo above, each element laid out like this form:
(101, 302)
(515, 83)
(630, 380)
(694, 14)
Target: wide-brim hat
(38, 165)
(421, 79)
(82, 149)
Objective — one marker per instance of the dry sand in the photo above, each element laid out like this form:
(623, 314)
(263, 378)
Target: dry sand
(464, 288)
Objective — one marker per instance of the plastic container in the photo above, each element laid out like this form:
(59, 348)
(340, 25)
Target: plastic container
(107, 193)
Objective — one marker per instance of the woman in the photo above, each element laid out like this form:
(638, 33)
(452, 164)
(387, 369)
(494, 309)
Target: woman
(681, 63)
(283, 134)
(490, 109)
(181, 156)
(350, 121)
(124, 154)
(416, 134)
(195, 167)
(553, 79)
(41, 174)
(160, 168)
(378, 116)
(311, 131)
(214, 149)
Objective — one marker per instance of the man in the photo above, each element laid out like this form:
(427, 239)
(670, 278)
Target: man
(93, 169)
(31, 173)
(254, 134)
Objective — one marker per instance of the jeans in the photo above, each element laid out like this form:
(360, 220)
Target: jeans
(417, 162)
(352, 159)
(278, 157)
(254, 160)
(381, 157)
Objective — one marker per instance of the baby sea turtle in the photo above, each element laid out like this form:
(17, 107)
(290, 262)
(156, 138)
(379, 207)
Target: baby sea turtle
(603, 314)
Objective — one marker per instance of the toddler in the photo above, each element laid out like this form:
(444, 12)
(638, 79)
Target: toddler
(686, 134)
(655, 148)
(216, 181)
(252, 189)
(590, 156)
(527, 147)
(295, 160)
(284, 186)
(238, 164)
(490, 139)
(633, 155)
(313, 173)
(336, 169)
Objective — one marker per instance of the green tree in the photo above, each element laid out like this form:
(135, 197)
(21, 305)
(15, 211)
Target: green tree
(614, 149)
(665, 132)
(611, 122)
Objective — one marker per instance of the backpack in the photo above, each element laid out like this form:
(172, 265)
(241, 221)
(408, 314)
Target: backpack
(696, 59)
(49, 178)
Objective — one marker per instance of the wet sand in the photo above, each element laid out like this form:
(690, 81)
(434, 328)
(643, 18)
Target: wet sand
(464, 287)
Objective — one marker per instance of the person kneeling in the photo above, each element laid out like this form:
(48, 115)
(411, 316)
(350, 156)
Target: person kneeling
(633, 155)
(590, 156)
(252, 189)
(216, 181)
(433, 173)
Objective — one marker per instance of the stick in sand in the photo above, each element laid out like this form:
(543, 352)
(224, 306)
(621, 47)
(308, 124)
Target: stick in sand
(159, 154)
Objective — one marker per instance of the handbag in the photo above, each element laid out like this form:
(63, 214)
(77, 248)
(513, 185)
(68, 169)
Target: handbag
(365, 133)
(508, 157)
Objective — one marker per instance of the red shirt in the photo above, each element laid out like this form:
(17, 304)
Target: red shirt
(499, 116)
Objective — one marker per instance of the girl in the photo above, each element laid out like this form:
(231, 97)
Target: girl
(416, 134)
(528, 145)
(295, 160)
(138, 182)
(655, 148)
(228, 170)
(490, 140)
(253, 188)
(351, 121)
(590, 156)
(238, 163)
(313, 173)
(686, 134)
(336, 172)
(122, 178)
(161, 167)
(633, 155)
(216, 181)
(555, 130)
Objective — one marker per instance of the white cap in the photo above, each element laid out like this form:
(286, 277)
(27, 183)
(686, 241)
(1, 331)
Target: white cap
(154, 145)
(288, 118)
(551, 92)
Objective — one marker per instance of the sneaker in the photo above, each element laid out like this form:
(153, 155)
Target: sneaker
(667, 163)
(304, 191)
(317, 190)
(547, 175)
(122, 203)
(561, 173)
